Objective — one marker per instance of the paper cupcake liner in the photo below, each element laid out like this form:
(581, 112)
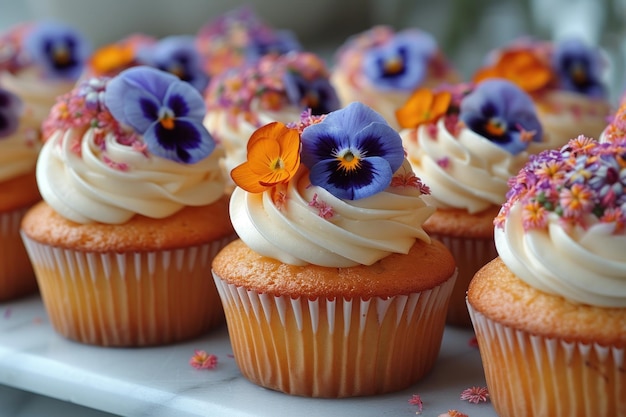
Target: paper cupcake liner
(128, 299)
(470, 255)
(16, 273)
(334, 347)
(529, 375)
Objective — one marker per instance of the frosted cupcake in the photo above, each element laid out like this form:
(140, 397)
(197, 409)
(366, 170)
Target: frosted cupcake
(239, 37)
(466, 142)
(550, 311)
(38, 61)
(334, 289)
(278, 88)
(381, 68)
(133, 213)
(565, 79)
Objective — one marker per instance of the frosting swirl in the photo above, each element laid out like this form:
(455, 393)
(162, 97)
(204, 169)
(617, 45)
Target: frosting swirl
(298, 223)
(87, 186)
(583, 265)
(464, 169)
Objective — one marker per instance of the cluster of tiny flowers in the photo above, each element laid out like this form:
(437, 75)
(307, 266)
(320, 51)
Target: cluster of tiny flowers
(617, 127)
(583, 183)
(307, 118)
(84, 108)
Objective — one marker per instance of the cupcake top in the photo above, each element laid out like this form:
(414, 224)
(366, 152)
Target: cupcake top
(240, 37)
(468, 140)
(392, 61)
(19, 143)
(562, 229)
(333, 190)
(538, 67)
(132, 144)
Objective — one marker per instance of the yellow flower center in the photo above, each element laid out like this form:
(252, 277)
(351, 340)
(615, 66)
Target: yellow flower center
(167, 122)
(495, 127)
(61, 55)
(349, 161)
(277, 164)
(394, 66)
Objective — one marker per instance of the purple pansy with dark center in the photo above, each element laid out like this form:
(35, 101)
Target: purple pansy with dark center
(402, 63)
(353, 153)
(10, 110)
(177, 55)
(60, 50)
(317, 94)
(167, 111)
(579, 67)
(503, 113)
(265, 40)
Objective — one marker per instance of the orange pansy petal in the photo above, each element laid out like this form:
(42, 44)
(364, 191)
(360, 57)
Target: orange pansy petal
(441, 103)
(270, 130)
(261, 155)
(246, 179)
(412, 113)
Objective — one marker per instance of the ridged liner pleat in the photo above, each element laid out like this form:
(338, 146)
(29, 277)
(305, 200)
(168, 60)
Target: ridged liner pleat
(16, 273)
(334, 347)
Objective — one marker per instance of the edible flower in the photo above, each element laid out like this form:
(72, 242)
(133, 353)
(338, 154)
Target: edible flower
(10, 111)
(521, 66)
(401, 63)
(352, 153)
(316, 94)
(583, 183)
(273, 158)
(424, 106)
(501, 112)
(177, 55)
(265, 40)
(61, 51)
(579, 67)
(475, 395)
(166, 111)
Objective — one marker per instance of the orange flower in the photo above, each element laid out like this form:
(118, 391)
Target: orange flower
(273, 158)
(112, 58)
(520, 66)
(422, 107)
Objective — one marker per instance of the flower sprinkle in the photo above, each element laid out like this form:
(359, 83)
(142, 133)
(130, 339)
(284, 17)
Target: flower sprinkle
(166, 111)
(453, 413)
(417, 400)
(475, 395)
(298, 80)
(324, 210)
(584, 183)
(11, 107)
(203, 360)
(617, 125)
(239, 38)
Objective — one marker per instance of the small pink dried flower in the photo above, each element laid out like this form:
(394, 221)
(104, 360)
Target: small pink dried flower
(475, 395)
(416, 400)
(203, 360)
(453, 413)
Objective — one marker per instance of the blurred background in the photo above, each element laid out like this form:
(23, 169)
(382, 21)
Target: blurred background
(466, 29)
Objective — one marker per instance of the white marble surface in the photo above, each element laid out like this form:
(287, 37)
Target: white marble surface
(42, 371)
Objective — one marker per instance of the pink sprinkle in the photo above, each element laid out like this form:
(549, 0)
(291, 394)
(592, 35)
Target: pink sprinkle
(203, 360)
(7, 313)
(475, 395)
(444, 162)
(417, 400)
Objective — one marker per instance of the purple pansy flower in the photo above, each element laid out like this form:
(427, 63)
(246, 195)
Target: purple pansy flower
(60, 50)
(10, 110)
(353, 153)
(317, 94)
(177, 55)
(503, 113)
(168, 113)
(402, 63)
(579, 67)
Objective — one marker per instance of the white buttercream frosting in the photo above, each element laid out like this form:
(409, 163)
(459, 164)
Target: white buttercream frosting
(464, 171)
(88, 180)
(583, 265)
(302, 224)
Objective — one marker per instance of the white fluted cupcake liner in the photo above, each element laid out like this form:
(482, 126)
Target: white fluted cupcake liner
(334, 347)
(128, 299)
(470, 255)
(16, 273)
(529, 375)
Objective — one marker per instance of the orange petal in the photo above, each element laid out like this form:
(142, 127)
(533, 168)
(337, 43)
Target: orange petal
(440, 104)
(412, 113)
(261, 154)
(271, 130)
(246, 179)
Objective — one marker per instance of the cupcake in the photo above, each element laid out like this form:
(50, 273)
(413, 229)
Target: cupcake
(133, 212)
(466, 141)
(381, 68)
(333, 289)
(550, 311)
(565, 79)
(240, 37)
(278, 88)
(38, 61)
